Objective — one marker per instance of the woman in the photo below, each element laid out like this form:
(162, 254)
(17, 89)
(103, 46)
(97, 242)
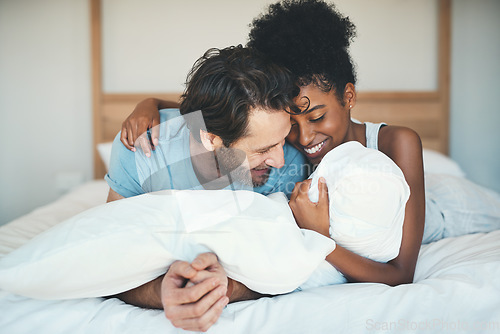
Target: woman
(314, 46)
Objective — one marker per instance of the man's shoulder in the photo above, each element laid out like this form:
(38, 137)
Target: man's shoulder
(122, 175)
(119, 152)
(172, 124)
(293, 156)
(296, 167)
(168, 114)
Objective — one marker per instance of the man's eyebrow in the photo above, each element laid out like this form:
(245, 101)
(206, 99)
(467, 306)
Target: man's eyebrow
(264, 149)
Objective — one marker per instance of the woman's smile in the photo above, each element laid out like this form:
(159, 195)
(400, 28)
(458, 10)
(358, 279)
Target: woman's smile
(313, 151)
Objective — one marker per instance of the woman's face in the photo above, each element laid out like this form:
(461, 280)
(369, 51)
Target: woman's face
(325, 127)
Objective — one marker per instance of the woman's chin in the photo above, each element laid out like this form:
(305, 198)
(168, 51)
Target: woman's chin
(316, 157)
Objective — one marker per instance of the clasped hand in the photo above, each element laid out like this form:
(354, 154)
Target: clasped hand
(194, 294)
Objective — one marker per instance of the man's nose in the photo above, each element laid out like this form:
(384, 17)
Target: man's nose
(276, 157)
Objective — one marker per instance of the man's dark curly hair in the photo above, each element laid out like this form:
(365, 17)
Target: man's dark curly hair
(310, 38)
(227, 84)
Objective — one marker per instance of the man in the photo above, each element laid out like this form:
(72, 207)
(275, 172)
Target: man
(233, 116)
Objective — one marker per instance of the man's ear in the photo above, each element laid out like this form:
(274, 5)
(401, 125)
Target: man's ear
(210, 141)
(349, 96)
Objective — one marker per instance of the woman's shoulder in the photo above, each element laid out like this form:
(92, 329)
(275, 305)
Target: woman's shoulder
(399, 140)
(404, 147)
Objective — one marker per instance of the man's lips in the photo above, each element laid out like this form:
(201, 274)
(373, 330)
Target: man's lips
(260, 171)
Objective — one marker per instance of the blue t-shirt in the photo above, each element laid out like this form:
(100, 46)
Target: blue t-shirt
(170, 166)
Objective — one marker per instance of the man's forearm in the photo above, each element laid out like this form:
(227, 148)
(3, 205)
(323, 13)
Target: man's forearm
(147, 295)
(240, 292)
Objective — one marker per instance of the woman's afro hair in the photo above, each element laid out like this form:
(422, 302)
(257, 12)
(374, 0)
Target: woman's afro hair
(310, 38)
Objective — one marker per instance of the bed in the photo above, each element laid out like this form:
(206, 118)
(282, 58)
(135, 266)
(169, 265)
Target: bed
(456, 289)
(456, 286)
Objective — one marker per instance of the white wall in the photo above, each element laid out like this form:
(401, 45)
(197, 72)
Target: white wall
(155, 54)
(151, 45)
(396, 44)
(45, 100)
(475, 90)
(45, 104)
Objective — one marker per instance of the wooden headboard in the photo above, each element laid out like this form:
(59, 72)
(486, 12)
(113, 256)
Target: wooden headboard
(425, 112)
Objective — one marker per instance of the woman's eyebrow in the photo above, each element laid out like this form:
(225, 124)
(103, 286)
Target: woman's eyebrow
(319, 106)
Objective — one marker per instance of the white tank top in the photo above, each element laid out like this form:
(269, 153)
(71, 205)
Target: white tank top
(372, 130)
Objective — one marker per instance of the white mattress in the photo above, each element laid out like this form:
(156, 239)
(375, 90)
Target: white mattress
(457, 290)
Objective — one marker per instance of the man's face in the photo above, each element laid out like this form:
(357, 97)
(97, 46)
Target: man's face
(263, 145)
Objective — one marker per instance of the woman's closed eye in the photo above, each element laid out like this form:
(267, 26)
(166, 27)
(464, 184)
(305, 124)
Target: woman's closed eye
(314, 120)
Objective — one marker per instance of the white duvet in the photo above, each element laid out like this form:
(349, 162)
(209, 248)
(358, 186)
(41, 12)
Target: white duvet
(457, 290)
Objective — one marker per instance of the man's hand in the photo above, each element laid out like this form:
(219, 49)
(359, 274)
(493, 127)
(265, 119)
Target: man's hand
(194, 295)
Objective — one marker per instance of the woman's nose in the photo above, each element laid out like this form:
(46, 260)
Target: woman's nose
(306, 135)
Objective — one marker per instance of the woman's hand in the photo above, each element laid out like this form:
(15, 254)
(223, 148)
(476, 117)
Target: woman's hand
(145, 116)
(309, 215)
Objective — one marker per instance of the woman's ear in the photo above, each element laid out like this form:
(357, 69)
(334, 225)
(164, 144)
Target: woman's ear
(349, 96)
(210, 141)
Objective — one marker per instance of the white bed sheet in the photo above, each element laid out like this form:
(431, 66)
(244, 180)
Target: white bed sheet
(457, 290)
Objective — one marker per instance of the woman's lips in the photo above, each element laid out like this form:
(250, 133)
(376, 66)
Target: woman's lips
(315, 150)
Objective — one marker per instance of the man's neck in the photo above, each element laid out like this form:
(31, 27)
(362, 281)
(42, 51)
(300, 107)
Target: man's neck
(204, 162)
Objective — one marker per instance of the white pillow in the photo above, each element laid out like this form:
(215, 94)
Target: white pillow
(104, 150)
(438, 163)
(368, 194)
(126, 243)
